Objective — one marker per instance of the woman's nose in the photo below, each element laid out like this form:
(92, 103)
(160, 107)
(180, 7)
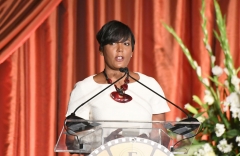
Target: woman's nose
(119, 47)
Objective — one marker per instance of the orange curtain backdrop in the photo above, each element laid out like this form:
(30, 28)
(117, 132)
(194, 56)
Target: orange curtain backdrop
(29, 111)
(37, 78)
(18, 20)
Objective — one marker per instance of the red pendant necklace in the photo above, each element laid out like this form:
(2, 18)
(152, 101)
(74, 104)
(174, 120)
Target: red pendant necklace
(119, 95)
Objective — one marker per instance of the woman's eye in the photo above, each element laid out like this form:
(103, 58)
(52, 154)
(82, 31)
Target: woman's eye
(112, 43)
(127, 43)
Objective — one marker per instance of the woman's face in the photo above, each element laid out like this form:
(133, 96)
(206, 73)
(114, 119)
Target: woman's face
(118, 54)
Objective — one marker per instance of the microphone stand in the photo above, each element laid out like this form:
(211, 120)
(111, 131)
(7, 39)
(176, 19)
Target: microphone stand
(72, 126)
(182, 129)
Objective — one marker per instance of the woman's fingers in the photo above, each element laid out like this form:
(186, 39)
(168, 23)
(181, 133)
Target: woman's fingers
(143, 135)
(116, 131)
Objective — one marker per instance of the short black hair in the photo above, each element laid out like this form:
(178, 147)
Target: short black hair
(114, 31)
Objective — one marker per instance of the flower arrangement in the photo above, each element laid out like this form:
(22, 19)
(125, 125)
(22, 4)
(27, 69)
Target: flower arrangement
(219, 110)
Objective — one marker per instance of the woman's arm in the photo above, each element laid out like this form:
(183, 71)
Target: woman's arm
(159, 125)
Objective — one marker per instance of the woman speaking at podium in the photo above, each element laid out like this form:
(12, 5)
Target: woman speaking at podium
(126, 100)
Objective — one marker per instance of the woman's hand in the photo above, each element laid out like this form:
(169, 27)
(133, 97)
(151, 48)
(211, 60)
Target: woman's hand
(143, 136)
(114, 135)
(77, 154)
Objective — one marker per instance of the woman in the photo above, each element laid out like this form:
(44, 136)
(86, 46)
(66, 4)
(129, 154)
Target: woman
(127, 99)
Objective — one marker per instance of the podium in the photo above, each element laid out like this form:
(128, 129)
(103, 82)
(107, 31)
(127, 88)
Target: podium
(126, 138)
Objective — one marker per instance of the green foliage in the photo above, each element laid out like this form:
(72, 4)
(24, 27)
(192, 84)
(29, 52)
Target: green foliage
(221, 114)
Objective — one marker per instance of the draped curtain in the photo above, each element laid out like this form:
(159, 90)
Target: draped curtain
(47, 46)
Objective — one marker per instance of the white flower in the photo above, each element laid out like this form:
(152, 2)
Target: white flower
(226, 83)
(216, 70)
(208, 98)
(178, 119)
(205, 32)
(196, 154)
(208, 47)
(199, 71)
(205, 81)
(205, 150)
(238, 140)
(207, 92)
(201, 119)
(225, 106)
(236, 82)
(213, 59)
(208, 150)
(195, 64)
(226, 71)
(224, 147)
(201, 151)
(235, 112)
(190, 108)
(219, 129)
(234, 101)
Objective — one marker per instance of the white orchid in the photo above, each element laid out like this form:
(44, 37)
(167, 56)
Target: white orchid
(234, 101)
(216, 70)
(199, 71)
(195, 64)
(236, 82)
(225, 106)
(222, 94)
(201, 119)
(190, 108)
(205, 81)
(226, 83)
(208, 98)
(213, 59)
(226, 71)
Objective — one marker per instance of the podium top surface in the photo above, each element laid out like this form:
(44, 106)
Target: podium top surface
(87, 135)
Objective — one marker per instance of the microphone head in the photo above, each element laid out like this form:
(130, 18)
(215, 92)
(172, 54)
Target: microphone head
(124, 70)
(79, 125)
(186, 128)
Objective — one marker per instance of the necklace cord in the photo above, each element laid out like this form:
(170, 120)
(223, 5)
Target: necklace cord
(99, 93)
(123, 87)
(160, 96)
(189, 118)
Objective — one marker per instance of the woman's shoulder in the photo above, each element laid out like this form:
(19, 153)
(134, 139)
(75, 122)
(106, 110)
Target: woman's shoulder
(144, 77)
(86, 81)
(148, 80)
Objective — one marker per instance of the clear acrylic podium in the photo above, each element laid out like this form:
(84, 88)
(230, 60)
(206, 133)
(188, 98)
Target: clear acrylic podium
(130, 138)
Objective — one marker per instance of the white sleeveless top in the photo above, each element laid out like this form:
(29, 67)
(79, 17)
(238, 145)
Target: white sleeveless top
(144, 102)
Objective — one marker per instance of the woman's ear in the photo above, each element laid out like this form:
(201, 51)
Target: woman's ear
(101, 52)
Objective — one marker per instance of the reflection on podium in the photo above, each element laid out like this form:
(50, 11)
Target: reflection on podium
(127, 138)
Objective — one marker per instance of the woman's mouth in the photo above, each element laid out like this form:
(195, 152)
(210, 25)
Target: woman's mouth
(119, 58)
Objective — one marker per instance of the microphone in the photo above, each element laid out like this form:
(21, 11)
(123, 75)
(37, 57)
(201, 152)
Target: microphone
(182, 129)
(125, 70)
(70, 124)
